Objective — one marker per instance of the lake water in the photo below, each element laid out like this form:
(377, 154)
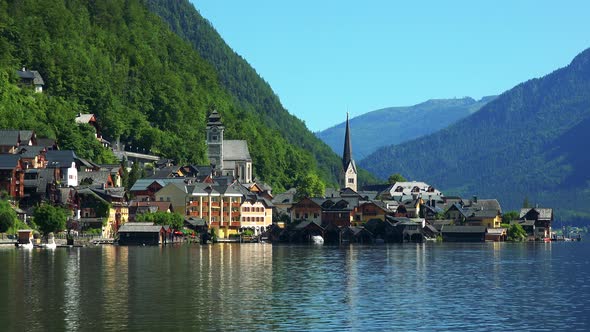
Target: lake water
(484, 286)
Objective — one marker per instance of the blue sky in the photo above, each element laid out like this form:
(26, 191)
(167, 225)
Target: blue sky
(323, 58)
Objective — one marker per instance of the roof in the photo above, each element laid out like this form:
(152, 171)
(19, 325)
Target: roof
(544, 213)
(195, 222)
(463, 229)
(60, 158)
(347, 153)
(139, 227)
(9, 137)
(142, 184)
(236, 150)
(30, 152)
(84, 118)
(9, 161)
(214, 119)
(97, 177)
(31, 75)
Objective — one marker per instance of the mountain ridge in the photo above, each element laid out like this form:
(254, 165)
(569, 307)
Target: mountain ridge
(394, 125)
(519, 145)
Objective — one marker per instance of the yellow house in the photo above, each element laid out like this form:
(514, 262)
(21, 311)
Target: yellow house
(256, 214)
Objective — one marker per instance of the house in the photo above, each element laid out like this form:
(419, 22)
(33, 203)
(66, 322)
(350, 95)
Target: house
(101, 179)
(543, 217)
(307, 209)
(11, 139)
(12, 175)
(105, 209)
(414, 189)
(229, 208)
(476, 212)
(64, 163)
(139, 233)
(496, 234)
(371, 210)
(116, 171)
(31, 78)
(283, 202)
(32, 156)
(340, 212)
(145, 189)
(463, 233)
(256, 214)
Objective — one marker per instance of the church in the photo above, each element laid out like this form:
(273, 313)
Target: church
(348, 174)
(227, 157)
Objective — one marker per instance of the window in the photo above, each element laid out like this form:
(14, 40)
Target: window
(350, 180)
(306, 216)
(297, 215)
(315, 215)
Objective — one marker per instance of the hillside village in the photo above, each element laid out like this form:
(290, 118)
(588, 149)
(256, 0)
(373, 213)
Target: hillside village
(226, 200)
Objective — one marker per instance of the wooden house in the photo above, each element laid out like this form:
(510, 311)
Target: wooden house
(139, 233)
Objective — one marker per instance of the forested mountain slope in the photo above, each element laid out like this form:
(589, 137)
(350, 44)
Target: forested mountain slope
(149, 88)
(249, 91)
(395, 125)
(531, 141)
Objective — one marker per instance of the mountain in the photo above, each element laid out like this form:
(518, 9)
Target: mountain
(395, 125)
(149, 87)
(250, 92)
(530, 142)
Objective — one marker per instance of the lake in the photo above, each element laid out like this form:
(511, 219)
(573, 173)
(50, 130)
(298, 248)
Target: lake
(433, 286)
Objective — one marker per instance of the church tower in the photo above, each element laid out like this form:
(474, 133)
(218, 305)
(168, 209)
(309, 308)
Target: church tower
(215, 141)
(348, 175)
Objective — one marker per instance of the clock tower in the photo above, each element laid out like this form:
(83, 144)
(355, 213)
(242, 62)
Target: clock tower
(215, 141)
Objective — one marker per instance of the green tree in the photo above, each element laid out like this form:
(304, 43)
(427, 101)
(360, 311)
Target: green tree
(50, 219)
(309, 185)
(516, 233)
(174, 220)
(509, 216)
(7, 216)
(525, 203)
(393, 178)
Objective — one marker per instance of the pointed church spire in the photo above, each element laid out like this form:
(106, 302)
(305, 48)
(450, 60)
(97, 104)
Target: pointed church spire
(347, 154)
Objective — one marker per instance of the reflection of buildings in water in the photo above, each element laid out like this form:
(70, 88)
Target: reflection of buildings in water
(115, 282)
(72, 289)
(351, 267)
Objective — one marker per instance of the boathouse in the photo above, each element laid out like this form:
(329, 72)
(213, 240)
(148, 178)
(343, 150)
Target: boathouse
(463, 233)
(141, 233)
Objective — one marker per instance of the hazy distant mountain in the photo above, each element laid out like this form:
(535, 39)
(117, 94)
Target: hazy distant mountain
(394, 125)
(531, 141)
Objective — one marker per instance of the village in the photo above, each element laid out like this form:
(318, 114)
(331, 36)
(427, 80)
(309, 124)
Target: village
(224, 202)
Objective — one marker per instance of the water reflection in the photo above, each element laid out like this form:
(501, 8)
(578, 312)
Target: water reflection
(283, 287)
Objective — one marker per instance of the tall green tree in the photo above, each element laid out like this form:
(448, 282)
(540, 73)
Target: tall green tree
(50, 219)
(310, 185)
(516, 233)
(7, 216)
